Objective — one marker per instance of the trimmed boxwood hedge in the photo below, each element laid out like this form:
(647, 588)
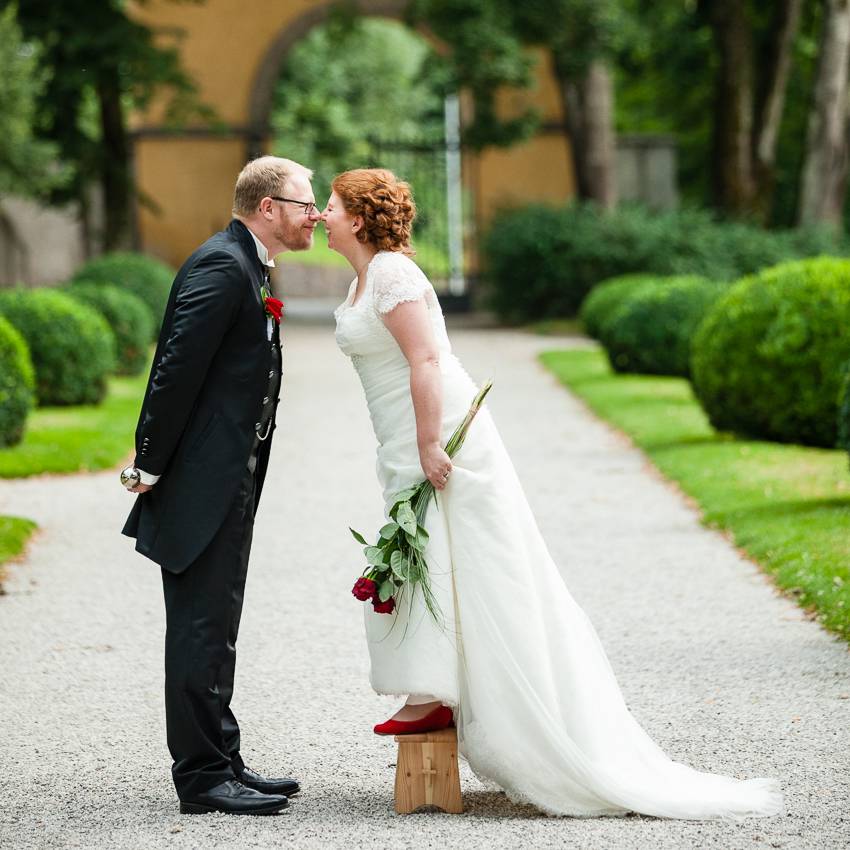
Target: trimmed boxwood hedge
(606, 297)
(541, 261)
(72, 347)
(143, 276)
(129, 318)
(768, 359)
(844, 409)
(651, 330)
(17, 384)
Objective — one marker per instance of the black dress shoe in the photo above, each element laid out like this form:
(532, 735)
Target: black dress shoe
(233, 798)
(268, 786)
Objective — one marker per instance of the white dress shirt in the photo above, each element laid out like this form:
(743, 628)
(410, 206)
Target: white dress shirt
(266, 260)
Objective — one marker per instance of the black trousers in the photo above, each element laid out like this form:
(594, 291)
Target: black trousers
(203, 606)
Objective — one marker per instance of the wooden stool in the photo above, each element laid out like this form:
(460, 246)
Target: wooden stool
(426, 772)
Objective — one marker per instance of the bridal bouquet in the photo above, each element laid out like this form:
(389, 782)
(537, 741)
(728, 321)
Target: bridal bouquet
(397, 557)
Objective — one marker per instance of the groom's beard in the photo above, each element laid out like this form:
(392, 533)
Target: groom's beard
(296, 237)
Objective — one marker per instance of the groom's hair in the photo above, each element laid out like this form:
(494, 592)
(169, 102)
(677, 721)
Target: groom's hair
(266, 175)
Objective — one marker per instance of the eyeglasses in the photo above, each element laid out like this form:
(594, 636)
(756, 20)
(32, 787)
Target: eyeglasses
(309, 206)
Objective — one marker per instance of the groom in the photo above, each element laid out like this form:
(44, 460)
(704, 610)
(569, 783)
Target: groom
(202, 449)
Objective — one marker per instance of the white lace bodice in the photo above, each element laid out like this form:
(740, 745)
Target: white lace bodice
(391, 279)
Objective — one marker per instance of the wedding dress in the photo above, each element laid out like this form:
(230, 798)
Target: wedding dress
(538, 709)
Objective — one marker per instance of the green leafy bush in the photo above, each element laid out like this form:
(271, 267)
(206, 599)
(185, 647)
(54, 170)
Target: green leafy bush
(17, 384)
(541, 262)
(844, 409)
(650, 332)
(143, 276)
(129, 318)
(72, 347)
(606, 297)
(767, 360)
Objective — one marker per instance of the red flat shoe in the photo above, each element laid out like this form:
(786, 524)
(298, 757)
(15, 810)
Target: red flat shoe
(440, 718)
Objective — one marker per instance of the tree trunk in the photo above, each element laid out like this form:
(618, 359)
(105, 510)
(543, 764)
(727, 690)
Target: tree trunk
(824, 178)
(573, 118)
(600, 143)
(733, 167)
(588, 106)
(772, 100)
(115, 166)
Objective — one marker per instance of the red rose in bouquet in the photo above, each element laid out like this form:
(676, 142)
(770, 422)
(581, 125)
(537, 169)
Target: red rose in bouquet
(364, 588)
(383, 607)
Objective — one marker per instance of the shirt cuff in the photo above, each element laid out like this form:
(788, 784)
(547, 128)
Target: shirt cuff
(147, 478)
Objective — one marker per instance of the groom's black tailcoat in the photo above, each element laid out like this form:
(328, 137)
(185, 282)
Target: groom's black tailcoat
(211, 398)
(204, 400)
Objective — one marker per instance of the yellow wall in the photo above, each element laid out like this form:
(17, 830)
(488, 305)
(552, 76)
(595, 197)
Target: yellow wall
(191, 181)
(539, 169)
(222, 43)
(230, 48)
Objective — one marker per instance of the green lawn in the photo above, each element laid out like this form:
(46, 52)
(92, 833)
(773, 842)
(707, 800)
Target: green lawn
(786, 506)
(75, 439)
(14, 534)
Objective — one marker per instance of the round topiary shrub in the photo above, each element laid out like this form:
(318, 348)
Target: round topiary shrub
(651, 330)
(17, 384)
(143, 276)
(128, 316)
(606, 297)
(844, 409)
(767, 359)
(72, 347)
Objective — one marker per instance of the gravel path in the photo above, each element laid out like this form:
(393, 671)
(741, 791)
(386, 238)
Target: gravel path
(725, 674)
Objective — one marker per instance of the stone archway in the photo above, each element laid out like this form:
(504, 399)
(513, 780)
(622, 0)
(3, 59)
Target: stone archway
(234, 50)
(268, 71)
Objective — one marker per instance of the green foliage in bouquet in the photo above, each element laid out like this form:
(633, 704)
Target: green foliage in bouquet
(17, 384)
(397, 559)
(768, 359)
(72, 347)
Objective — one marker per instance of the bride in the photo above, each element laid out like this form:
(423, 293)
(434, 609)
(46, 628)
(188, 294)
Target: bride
(516, 664)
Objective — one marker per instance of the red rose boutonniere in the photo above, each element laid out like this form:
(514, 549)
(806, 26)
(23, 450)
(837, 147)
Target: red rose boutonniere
(274, 306)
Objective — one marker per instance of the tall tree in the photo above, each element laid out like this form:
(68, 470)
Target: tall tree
(824, 178)
(26, 163)
(484, 54)
(100, 62)
(581, 36)
(487, 40)
(749, 99)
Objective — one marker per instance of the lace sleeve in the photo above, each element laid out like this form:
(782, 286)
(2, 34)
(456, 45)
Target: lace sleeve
(396, 279)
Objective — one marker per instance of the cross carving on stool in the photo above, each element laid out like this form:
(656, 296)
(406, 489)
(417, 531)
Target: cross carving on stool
(427, 772)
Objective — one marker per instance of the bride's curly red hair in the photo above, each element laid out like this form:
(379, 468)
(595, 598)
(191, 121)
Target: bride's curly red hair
(385, 203)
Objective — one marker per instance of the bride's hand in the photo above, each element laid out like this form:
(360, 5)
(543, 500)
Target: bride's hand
(436, 464)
